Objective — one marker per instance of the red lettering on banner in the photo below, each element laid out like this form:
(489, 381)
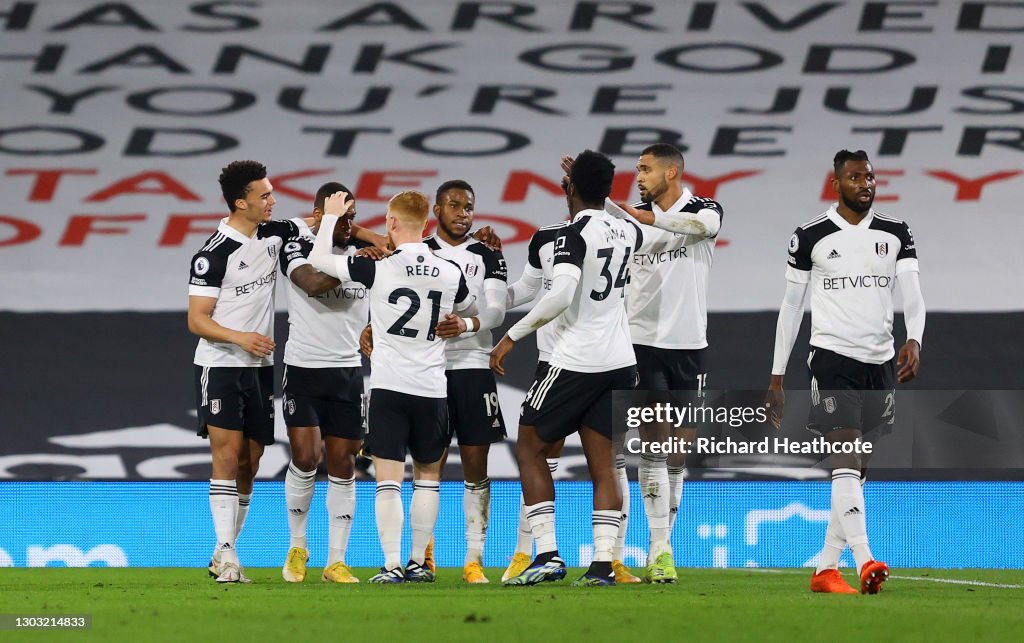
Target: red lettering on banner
(970, 189)
(81, 225)
(520, 181)
(370, 183)
(137, 185)
(280, 183)
(45, 185)
(24, 231)
(622, 186)
(828, 194)
(521, 230)
(179, 226)
(708, 187)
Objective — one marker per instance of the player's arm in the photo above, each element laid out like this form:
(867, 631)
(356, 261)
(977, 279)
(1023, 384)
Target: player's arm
(705, 222)
(322, 255)
(295, 265)
(791, 315)
(907, 277)
(201, 323)
(370, 237)
(570, 249)
(532, 280)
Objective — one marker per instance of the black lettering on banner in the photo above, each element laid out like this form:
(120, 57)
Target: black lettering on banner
(819, 59)
(65, 103)
(18, 16)
(85, 141)
(607, 99)
(599, 58)
(921, 99)
(784, 103)
(467, 14)
(374, 98)
(972, 17)
(120, 15)
(237, 100)
(894, 138)
(231, 55)
(46, 61)
(209, 9)
(877, 14)
(587, 13)
(730, 141)
(342, 138)
(717, 51)
(765, 16)
(371, 56)
(630, 141)
(975, 139)
(526, 96)
(392, 16)
(142, 142)
(139, 57)
(992, 93)
(512, 141)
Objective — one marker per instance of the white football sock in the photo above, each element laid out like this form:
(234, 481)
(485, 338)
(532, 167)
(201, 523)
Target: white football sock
(244, 499)
(848, 503)
(298, 494)
(426, 498)
(676, 476)
(224, 508)
(542, 524)
(620, 539)
(835, 543)
(341, 509)
(606, 528)
(653, 476)
(390, 520)
(476, 503)
(524, 537)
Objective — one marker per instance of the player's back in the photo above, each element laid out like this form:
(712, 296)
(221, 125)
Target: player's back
(411, 291)
(593, 333)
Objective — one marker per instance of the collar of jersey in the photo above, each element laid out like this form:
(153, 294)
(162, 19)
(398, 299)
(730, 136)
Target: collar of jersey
(444, 244)
(413, 245)
(844, 224)
(589, 213)
(231, 233)
(683, 199)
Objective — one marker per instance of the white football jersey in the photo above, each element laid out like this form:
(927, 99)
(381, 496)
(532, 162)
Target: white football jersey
(240, 272)
(667, 296)
(410, 291)
(323, 330)
(592, 335)
(852, 272)
(539, 259)
(481, 267)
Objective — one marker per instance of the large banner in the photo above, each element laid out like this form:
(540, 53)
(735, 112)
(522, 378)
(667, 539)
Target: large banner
(740, 524)
(117, 118)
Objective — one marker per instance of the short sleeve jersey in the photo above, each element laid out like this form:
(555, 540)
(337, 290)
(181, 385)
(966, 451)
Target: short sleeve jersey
(852, 272)
(240, 273)
(481, 267)
(593, 333)
(667, 296)
(409, 292)
(323, 330)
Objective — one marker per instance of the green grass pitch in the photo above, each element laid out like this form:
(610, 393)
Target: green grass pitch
(707, 604)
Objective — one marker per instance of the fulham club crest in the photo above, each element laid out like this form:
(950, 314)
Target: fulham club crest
(830, 404)
(882, 249)
(214, 407)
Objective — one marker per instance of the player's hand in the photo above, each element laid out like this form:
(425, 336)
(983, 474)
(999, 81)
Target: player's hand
(255, 344)
(486, 236)
(775, 401)
(566, 164)
(337, 204)
(369, 236)
(633, 212)
(373, 252)
(909, 361)
(451, 326)
(499, 353)
(366, 341)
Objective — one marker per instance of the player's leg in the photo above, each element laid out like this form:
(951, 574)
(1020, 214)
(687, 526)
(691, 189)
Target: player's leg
(258, 426)
(622, 573)
(676, 467)
(539, 498)
(299, 483)
(653, 470)
(688, 376)
(523, 554)
(606, 515)
(476, 504)
(428, 440)
(226, 446)
(343, 428)
(389, 419)
(341, 506)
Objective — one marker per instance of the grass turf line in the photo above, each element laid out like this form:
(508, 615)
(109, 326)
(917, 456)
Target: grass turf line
(707, 604)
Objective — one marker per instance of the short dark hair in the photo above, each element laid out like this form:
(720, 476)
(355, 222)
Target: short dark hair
(326, 190)
(592, 173)
(842, 156)
(236, 177)
(453, 184)
(665, 151)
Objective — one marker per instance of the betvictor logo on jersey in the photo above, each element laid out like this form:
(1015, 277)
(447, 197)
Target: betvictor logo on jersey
(856, 281)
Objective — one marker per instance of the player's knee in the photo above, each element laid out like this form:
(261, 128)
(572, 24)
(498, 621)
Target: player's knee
(304, 460)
